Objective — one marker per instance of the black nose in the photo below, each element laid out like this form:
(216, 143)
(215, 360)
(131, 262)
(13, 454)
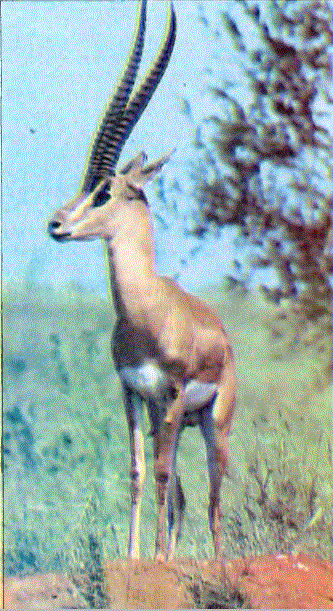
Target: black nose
(53, 229)
(53, 225)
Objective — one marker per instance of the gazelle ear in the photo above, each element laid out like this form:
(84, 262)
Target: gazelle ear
(144, 174)
(134, 164)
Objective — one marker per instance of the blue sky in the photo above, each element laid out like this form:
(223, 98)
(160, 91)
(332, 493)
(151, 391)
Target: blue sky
(61, 60)
(60, 63)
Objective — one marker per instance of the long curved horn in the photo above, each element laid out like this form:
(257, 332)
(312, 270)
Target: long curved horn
(119, 100)
(104, 160)
(138, 103)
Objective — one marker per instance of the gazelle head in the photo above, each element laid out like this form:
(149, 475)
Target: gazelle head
(98, 214)
(97, 210)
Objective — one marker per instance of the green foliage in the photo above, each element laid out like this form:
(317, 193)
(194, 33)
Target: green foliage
(66, 449)
(274, 177)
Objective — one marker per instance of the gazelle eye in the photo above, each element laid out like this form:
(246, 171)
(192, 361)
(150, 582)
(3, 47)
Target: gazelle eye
(102, 196)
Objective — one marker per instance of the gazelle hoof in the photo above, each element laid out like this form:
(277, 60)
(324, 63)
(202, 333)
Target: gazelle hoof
(159, 557)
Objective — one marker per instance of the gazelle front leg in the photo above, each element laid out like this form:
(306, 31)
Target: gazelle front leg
(133, 406)
(176, 508)
(164, 442)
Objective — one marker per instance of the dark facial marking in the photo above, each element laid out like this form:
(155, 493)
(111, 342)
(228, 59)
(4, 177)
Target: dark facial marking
(136, 193)
(101, 196)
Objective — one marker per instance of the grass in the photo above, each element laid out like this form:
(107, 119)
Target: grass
(66, 443)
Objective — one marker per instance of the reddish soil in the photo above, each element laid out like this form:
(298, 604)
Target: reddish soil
(265, 582)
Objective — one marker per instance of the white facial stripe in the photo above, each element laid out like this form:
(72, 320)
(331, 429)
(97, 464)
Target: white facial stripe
(81, 207)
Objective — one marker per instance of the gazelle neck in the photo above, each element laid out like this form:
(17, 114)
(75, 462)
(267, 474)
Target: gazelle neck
(131, 260)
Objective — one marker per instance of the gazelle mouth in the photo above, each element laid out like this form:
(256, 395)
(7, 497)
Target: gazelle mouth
(60, 237)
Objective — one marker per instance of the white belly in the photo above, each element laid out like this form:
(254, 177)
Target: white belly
(151, 382)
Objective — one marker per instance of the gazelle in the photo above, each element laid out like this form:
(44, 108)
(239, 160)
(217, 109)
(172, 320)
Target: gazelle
(169, 348)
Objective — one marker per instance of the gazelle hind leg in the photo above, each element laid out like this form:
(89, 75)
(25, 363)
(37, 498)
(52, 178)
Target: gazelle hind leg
(133, 405)
(215, 421)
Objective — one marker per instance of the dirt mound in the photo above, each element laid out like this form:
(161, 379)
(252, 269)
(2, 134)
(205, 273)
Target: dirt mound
(275, 582)
(283, 582)
(50, 591)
